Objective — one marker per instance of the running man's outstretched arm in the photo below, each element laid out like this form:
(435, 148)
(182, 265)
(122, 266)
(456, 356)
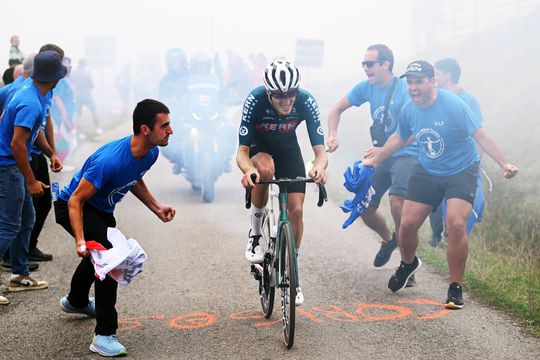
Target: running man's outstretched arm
(375, 156)
(488, 144)
(334, 117)
(165, 212)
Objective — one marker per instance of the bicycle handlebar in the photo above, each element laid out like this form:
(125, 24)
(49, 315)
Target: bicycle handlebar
(323, 196)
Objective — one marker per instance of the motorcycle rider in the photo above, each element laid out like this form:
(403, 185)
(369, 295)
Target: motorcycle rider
(205, 93)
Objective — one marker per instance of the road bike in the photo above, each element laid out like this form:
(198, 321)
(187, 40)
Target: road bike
(279, 267)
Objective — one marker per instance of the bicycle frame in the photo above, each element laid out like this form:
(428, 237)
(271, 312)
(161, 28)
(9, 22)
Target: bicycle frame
(283, 201)
(284, 218)
(273, 262)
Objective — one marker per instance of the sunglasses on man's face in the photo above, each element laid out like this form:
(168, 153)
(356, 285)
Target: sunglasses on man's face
(280, 95)
(370, 63)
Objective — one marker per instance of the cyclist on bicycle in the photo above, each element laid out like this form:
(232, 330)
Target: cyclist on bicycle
(269, 147)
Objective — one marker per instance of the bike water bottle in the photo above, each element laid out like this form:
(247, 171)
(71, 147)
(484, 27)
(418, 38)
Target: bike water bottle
(55, 189)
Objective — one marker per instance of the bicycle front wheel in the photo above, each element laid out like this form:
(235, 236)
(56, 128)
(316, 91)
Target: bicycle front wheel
(267, 287)
(287, 282)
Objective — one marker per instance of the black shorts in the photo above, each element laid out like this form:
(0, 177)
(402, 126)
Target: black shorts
(393, 175)
(429, 189)
(288, 163)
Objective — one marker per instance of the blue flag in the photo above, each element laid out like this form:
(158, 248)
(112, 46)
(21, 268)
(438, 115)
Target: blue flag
(357, 181)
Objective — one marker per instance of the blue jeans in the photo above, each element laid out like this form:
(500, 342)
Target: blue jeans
(17, 218)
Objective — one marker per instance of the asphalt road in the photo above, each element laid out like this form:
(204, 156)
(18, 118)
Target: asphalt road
(197, 300)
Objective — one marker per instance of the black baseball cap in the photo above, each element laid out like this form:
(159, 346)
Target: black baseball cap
(419, 68)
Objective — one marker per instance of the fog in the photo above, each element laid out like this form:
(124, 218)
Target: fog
(150, 28)
(494, 41)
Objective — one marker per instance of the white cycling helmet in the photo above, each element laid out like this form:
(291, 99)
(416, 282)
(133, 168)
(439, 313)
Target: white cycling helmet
(281, 78)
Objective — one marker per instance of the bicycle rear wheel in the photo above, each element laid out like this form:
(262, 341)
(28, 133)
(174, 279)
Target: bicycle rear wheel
(267, 286)
(287, 282)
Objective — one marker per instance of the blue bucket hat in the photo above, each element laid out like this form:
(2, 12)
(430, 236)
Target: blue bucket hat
(48, 67)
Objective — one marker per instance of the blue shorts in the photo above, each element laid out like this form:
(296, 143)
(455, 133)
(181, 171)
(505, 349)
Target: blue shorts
(393, 175)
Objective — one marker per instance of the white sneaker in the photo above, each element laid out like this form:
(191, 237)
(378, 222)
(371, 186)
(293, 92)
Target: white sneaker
(254, 255)
(299, 297)
(3, 300)
(25, 282)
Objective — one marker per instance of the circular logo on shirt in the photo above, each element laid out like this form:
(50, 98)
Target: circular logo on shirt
(431, 142)
(320, 131)
(390, 124)
(243, 131)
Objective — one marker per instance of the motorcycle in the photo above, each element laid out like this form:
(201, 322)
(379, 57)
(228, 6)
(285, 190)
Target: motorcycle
(206, 149)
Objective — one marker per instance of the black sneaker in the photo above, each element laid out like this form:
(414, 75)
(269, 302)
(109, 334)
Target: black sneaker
(31, 266)
(454, 300)
(411, 282)
(385, 252)
(37, 255)
(402, 274)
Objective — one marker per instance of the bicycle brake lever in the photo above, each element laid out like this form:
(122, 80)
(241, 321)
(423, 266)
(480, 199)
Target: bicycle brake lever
(323, 196)
(248, 191)
(248, 197)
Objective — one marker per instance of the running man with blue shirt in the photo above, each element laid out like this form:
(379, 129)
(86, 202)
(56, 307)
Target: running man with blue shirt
(381, 88)
(447, 74)
(447, 132)
(85, 209)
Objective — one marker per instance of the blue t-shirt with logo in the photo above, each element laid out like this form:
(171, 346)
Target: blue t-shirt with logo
(113, 170)
(26, 109)
(376, 96)
(443, 133)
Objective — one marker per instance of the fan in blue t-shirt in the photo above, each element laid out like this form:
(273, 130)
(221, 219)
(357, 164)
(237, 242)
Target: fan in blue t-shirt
(446, 131)
(85, 209)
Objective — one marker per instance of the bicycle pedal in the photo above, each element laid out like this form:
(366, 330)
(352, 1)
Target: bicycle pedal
(256, 273)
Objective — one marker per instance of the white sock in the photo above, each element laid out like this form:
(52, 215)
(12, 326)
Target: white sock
(297, 252)
(256, 220)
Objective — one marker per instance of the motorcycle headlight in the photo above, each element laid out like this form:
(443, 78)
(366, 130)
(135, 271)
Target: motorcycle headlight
(194, 132)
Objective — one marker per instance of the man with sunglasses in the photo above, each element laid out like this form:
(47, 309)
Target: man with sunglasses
(447, 132)
(269, 147)
(385, 94)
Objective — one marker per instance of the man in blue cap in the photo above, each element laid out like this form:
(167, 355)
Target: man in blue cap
(19, 129)
(447, 131)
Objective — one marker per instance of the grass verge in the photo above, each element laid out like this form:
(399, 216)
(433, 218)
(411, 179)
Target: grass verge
(501, 281)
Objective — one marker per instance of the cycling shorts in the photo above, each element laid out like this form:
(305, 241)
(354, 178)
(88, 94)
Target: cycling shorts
(288, 163)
